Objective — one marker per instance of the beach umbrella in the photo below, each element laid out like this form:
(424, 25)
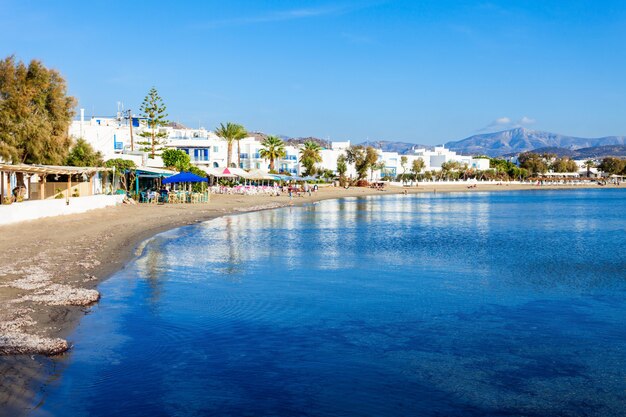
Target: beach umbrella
(184, 177)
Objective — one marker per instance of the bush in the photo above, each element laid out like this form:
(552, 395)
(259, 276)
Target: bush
(362, 183)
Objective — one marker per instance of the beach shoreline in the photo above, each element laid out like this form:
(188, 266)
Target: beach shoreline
(83, 250)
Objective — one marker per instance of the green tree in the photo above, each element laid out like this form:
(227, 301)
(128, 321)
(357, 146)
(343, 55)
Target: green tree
(272, 148)
(612, 166)
(342, 168)
(533, 162)
(403, 161)
(589, 164)
(371, 158)
(379, 166)
(564, 164)
(356, 155)
(417, 166)
(82, 154)
(175, 158)
(310, 154)
(35, 114)
(124, 168)
(153, 110)
(231, 132)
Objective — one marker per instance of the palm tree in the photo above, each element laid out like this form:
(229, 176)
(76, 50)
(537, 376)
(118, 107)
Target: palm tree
(589, 164)
(380, 166)
(272, 148)
(309, 156)
(230, 133)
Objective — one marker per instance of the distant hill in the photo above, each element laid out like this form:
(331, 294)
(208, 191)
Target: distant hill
(519, 140)
(299, 141)
(390, 146)
(594, 152)
(292, 141)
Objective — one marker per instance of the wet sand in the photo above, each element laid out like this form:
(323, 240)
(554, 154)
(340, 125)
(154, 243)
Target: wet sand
(50, 268)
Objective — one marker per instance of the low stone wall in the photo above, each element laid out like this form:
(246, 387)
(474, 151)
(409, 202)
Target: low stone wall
(35, 209)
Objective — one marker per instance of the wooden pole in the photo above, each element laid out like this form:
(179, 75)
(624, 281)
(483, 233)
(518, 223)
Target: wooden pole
(42, 187)
(1, 186)
(69, 188)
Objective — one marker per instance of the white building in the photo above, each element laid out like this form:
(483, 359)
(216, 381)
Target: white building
(112, 137)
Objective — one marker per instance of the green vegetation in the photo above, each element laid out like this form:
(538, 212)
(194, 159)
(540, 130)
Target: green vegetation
(364, 159)
(35, 114)
(176, 159)
(82, 154)
(310, 154)
(371, 159)
(613, 166)
(230, 133)
(153, 110)
(564, 164)
(342, 168)
(273, 148)
(124, 168)
(417, 166)
(355, 154)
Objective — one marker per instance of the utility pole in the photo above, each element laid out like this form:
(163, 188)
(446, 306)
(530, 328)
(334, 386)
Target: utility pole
(130, 124)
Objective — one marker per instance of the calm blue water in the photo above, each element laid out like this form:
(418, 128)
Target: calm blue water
(503, 304)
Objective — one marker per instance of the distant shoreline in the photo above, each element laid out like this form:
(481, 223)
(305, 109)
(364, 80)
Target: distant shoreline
(85, 249)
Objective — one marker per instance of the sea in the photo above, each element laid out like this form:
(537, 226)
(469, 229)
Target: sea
(447, 304)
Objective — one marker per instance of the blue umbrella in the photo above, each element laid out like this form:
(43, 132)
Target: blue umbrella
(184, 177)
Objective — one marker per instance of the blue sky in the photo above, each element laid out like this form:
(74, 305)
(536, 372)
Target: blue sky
(417, 71)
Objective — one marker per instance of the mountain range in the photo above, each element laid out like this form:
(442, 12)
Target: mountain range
(504, 143)
(519, 140)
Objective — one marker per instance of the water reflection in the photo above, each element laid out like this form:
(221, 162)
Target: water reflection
(461, 304)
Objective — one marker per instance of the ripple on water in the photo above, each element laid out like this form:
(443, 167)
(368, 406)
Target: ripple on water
(469, 305)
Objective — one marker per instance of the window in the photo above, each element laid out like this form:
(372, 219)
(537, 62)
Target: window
(216, 149)
(201, 154)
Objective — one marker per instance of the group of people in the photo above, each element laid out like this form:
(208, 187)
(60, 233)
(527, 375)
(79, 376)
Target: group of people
(301, 191)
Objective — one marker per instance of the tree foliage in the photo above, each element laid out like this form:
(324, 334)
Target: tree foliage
(356, 155)
(35, 113)
(533, 162)
(154, 112)
(231, 132)
(175, 158)
(272, 148)
(310, 154)
(363, 159)
(417, 166)
(124, 168)
(82, 154)
(613, 166)
(342, 167)
(371, 159)
(564, 164)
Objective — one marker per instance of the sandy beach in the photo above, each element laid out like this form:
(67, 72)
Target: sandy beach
(51, 267)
